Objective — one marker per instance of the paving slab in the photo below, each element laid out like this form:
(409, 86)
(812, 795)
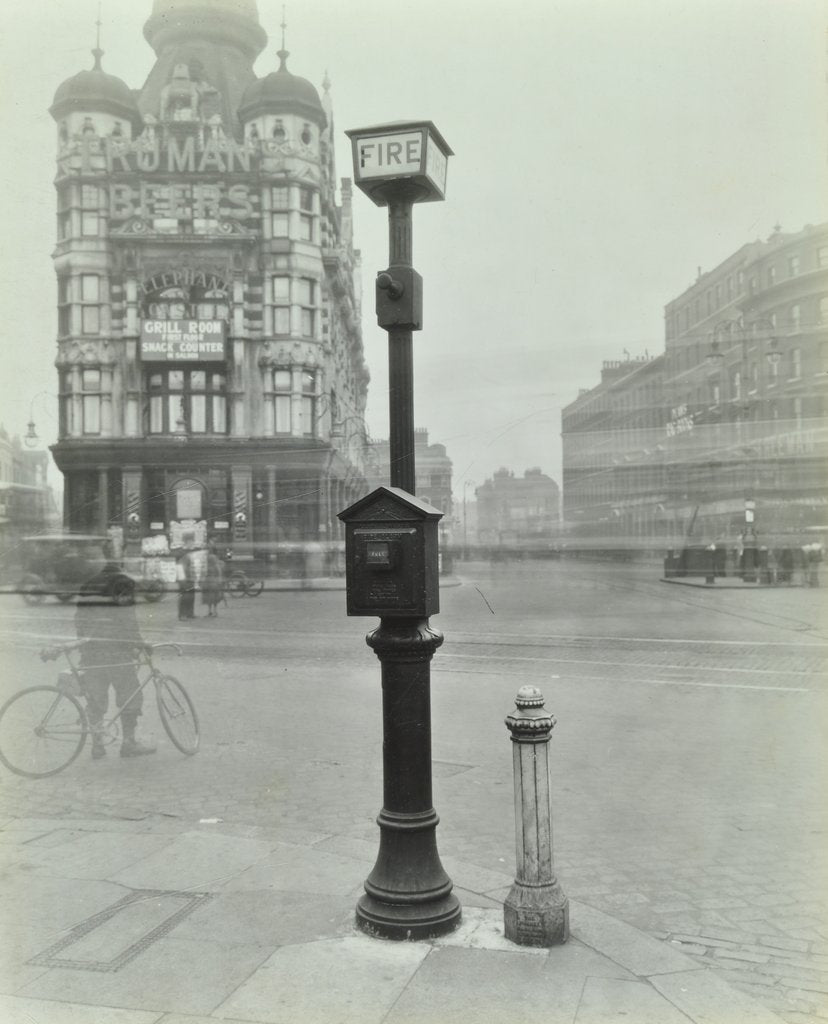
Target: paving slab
(606, 1000)
(704, 997)
(270, 918)
(315, 871)
(176, 975)
(628, 946)
(23, 1010)
(459, 986)
(96, 855)
(354, 980)
(478, 879)
(195, 860)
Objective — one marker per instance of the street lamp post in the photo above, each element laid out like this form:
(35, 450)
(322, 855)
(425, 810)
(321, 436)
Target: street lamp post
(466, 484)
(30, 438)
(408, 895)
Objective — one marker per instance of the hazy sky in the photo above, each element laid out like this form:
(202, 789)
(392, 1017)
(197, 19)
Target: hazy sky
(604, 150)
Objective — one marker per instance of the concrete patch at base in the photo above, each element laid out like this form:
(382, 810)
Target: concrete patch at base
(705, 997)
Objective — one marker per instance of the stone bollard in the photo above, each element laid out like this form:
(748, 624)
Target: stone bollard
(536, 911)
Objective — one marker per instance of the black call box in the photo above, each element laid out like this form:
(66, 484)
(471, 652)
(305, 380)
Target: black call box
(391, 555)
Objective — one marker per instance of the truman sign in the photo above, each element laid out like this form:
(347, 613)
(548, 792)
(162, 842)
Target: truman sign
(183, 340)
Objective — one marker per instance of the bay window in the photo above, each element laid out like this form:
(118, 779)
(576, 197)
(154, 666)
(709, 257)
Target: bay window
(308, 403)
(90, 304)
(282, 420)
(281, 305)
(191, 401)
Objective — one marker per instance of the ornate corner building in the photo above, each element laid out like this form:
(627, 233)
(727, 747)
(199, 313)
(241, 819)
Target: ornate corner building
(209, 340)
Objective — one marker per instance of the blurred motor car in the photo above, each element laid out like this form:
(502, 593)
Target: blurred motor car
(67, 564)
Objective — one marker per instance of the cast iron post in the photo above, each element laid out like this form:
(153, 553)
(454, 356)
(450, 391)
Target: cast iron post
(408, 894)
(536, 911)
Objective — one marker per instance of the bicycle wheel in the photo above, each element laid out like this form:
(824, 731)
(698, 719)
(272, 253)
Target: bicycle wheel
(178, 716)
(254, 587)
(236, 584)
(42, 730)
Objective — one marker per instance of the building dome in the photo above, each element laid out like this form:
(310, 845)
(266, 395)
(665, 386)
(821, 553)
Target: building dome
(281, 92)
(223, 22)
(95, 91)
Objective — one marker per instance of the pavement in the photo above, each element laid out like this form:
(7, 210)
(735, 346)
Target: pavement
(142, 922)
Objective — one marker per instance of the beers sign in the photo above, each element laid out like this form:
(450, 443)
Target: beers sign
(183, 341)
(178, 199)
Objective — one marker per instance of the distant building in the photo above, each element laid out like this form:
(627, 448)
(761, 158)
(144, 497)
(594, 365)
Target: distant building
(613, 438)
(433, 469)
(27, 503)
(209, 342)
(522, 512)
(681, 448)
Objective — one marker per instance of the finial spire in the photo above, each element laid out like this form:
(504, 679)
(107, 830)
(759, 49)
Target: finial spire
(97, 53)
(283, 54)
(326, 83)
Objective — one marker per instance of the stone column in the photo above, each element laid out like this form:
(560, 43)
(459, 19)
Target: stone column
(536, 911)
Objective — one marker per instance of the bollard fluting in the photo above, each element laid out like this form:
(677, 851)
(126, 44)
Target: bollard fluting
(536, 911)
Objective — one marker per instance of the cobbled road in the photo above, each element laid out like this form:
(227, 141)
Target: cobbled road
(689, 775)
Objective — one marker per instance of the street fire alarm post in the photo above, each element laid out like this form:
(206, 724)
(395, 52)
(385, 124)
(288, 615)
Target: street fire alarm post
(392, 559)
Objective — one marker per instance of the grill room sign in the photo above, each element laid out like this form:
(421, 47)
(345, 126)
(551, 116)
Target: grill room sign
(183, 341)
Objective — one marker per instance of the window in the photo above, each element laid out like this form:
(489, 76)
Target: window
(306, 298)
(89, 224)
(64, 403)
(282, 401)
(796, 362)
(280, 203)
(90, 308)
(793, 265)
(308, 402)
(823, 357)
(305, 228)
(823, 310)
(822, 256)
(281, 305)
(771, 276)
(91, 401)
(730, 287)
(64, 309)
(187, 402)
(306, 200)
(736, 385)
(796, 317)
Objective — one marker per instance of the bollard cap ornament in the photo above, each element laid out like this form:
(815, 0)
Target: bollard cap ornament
(531, 723)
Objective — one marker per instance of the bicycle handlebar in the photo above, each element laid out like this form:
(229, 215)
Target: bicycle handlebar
(53, 653)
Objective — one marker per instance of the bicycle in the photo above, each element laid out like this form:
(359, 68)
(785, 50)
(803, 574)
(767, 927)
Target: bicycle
(239, 584)
(43, 729)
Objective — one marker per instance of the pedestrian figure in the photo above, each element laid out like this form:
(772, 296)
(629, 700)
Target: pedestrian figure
(187, 578)
(111, 632)
(212, 589)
